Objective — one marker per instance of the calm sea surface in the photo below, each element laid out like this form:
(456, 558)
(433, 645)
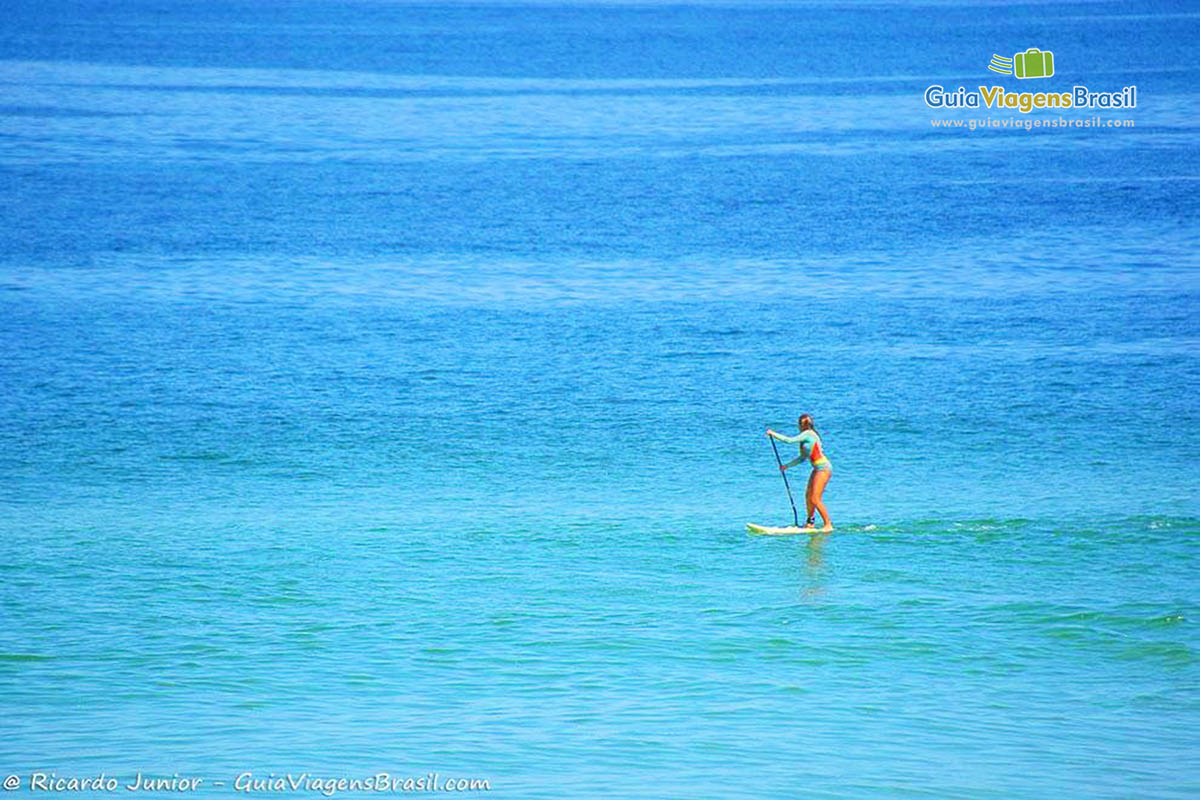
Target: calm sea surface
(382, 388)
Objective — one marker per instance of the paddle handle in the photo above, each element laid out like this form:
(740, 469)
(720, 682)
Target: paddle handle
(786, 485)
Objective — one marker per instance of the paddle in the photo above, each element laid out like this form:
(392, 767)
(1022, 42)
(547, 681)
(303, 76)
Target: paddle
(786, 485)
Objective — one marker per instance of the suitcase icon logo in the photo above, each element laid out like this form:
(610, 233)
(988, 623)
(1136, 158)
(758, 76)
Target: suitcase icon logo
(1033, 63)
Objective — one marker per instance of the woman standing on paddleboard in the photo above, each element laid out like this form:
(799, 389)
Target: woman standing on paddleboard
(812, 451)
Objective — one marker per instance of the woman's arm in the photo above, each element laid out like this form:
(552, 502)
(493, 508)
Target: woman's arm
(789, 440)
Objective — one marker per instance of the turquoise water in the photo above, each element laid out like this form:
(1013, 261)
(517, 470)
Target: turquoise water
(384, 389)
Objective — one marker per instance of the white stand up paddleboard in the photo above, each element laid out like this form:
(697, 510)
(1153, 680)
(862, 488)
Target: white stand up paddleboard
(767, 530)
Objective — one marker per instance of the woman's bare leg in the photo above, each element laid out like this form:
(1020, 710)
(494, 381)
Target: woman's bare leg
(816, 483)
(808, 499)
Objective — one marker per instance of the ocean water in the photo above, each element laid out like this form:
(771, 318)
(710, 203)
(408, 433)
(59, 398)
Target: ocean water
(383, 386)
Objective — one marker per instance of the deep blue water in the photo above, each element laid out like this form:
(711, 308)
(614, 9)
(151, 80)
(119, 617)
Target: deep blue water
(382, 388)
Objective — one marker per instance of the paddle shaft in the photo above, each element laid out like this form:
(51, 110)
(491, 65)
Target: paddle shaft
(786, 485)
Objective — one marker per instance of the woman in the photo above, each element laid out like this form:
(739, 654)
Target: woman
(811, 449)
